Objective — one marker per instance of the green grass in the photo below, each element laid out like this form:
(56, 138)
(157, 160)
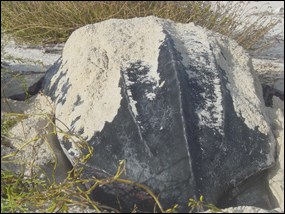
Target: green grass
(40, 22)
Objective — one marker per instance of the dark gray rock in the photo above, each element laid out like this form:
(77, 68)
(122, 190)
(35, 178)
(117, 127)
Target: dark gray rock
(23, 68)
(181, 106)
(253, 191)
(20, 86)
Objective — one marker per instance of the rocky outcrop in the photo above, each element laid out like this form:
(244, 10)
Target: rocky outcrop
(180, 104)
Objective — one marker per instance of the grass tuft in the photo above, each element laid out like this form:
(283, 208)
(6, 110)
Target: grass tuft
(41, 22)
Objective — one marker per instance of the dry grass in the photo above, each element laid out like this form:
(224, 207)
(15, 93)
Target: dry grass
(41, 22)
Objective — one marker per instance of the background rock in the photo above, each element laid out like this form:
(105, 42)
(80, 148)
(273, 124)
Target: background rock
(276, 174)
(33, 140)
(23, 67)
(246, 209)
(19, 86)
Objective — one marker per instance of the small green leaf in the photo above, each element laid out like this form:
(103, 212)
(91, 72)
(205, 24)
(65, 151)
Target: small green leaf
(172, 210)
(201, 198)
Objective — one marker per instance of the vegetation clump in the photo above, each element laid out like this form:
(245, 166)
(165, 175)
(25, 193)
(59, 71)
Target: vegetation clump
(41, 22)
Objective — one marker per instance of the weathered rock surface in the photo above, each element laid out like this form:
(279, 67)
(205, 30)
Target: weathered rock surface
(20, 86)
(180, 104)
(32, 140)
(25, 58)
(271, 75)
(246, 209)
(269, 92)
(23, 68)
(276, 174)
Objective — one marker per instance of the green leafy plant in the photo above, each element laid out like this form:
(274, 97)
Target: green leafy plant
(22, 193)
(200, 205)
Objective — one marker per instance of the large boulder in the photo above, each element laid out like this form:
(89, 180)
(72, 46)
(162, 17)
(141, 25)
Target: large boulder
(180, 104)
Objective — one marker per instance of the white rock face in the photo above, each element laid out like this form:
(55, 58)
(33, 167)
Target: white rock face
(94, 57)
(99, 55)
